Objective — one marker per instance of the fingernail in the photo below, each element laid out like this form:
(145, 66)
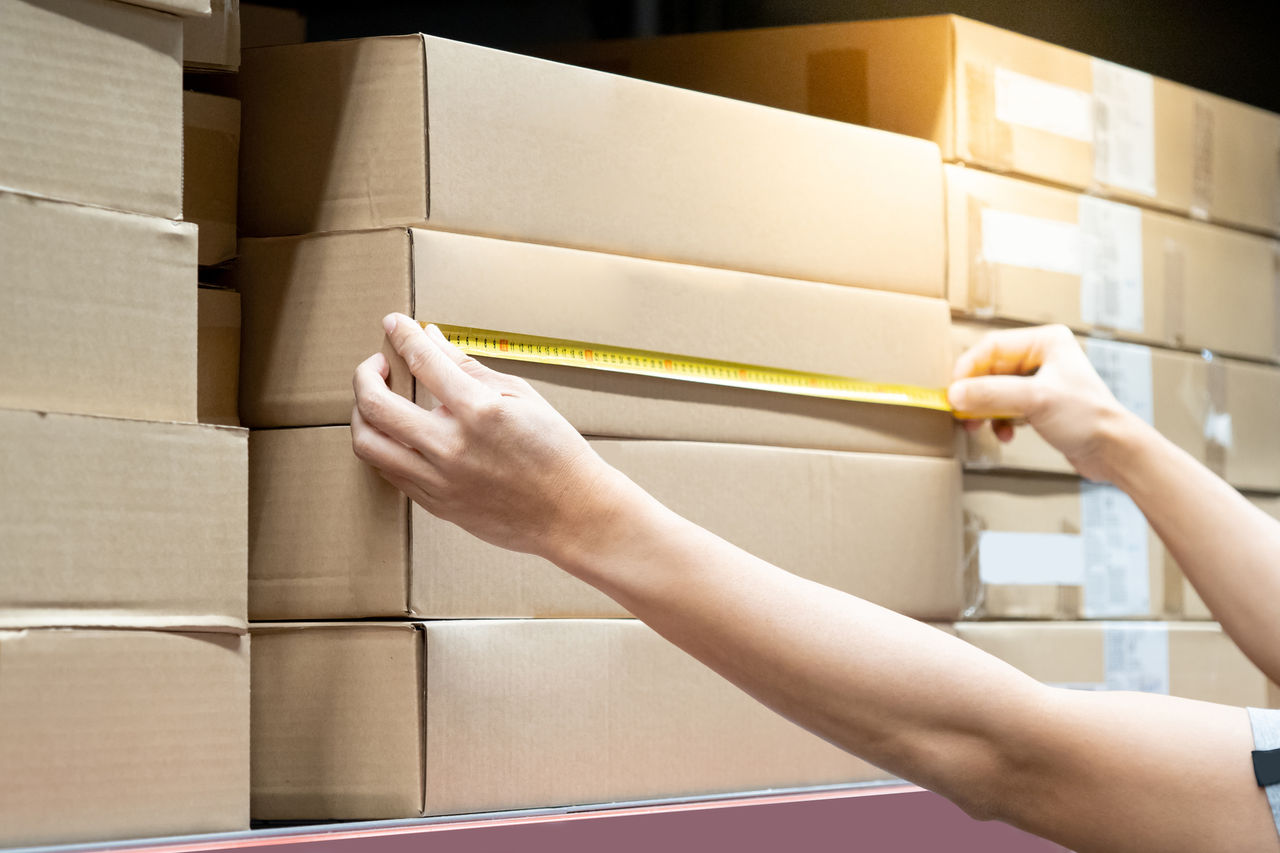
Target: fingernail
(955, 394)
(389, 323)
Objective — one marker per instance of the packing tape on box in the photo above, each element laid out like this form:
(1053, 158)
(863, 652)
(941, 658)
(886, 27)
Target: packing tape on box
(487, 343)
(1174, 293)
(990, 132)
(1217, 421)
(1202, 162)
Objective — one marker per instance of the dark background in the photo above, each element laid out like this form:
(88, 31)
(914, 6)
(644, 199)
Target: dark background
(1220, 47)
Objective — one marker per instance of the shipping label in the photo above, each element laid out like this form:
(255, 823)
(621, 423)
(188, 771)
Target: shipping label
(1050, 107)
(1111, 246)
(1116, 558)
(1124, 128)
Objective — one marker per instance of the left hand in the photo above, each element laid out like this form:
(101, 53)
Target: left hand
(494, 457)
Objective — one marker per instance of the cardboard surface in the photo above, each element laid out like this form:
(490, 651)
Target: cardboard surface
(420, 130)
(1041, 572)
(1203, 663)
(303, 299)
(100, 312)
(367, 721)
(72, 65)
(1253, 401)
(109, 735)
(268, 26)
(121, 523)
(211, 152)
(1020, 251)
(330, 539)
(992, 98)
(218, 358)
(212, 43)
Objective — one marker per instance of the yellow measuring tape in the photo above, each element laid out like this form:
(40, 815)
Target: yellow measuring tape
(490, 344)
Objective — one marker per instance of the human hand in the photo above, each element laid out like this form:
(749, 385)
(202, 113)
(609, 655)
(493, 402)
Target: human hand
(493, 457)
(1041, 375)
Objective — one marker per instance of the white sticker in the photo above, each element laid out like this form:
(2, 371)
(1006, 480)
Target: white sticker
(1030, 559)
(1136, 656)
(1111, 248)
(1126, 370)
(1032, 102)
(1116, 563)
(1218, 428)
(1124, 128)
(1030, 241)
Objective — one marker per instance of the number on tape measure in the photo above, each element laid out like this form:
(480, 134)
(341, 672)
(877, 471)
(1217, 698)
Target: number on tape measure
(517, 347)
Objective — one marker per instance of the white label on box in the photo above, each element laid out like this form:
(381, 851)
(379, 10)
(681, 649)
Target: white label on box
(1116, 563)
(1136, 656)
(1036, 103)
(1111, 250)
(1124, 128)
(1126, 370)
(1032, 559)
(1030, 241)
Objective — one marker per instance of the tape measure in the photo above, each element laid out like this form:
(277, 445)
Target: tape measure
(516, 347)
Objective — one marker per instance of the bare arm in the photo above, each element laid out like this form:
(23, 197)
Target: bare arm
(1092, 771)
(1228, 548)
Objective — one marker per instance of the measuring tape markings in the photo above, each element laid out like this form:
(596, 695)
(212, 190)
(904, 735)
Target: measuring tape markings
(556, 351)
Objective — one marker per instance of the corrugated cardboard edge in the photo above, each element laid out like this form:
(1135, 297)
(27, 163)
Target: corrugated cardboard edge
(186, 8)
(35, 198)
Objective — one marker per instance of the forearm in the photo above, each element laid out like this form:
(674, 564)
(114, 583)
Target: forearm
(1228, 548)
(905, 696)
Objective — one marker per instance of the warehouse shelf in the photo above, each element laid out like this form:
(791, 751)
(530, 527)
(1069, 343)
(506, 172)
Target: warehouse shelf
(866, 817)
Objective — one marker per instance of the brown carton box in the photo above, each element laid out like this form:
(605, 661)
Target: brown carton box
(100, 311)
(397, 720)
(311, 307)
(218, 358)
(109, 735)
(211, 152)
(121, 523)
(992, 98)
(421, 130)
(68, 133)
(1027, 252)
(268, 26)
(212, 43)
(330, 539)
(1194, 660)
(1039, 547)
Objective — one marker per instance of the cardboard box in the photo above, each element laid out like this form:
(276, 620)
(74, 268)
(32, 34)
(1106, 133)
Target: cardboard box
(211, 154)
(212, 43)
(329, 538)
(993, 98)
(121, 523)
(420, 130)
(268, 26)
(1250, 396)
(109, 735)
(67, 134)
(1060, 548)
(100, 313)
(1194, 660)
(1169, 389)
(1027, 252)
(219, 356)
(397, 720)
(312, 305)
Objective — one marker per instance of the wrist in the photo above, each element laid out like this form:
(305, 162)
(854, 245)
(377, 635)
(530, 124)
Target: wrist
(1122, 439)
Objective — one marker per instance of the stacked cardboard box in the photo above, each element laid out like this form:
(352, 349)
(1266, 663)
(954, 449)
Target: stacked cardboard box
(467, 186)
(122, 603)
(1078, 192)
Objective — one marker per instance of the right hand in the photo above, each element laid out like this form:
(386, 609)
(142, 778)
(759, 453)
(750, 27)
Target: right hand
(1041, 375)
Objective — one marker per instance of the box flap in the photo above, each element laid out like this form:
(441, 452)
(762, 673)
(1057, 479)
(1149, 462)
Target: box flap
(212, 42)
(147, 733)
(116, 522)
(211, 154)
(218, 356)
(122, 286)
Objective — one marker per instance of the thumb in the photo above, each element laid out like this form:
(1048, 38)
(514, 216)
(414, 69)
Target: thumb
(1007, 397)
